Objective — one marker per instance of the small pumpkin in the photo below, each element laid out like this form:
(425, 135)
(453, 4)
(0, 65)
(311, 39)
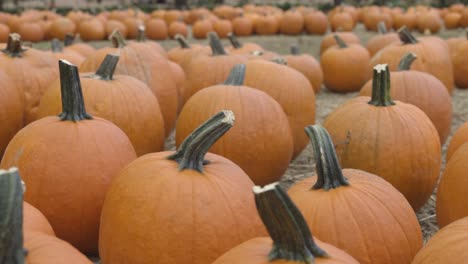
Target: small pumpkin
(92, 30)
(452, 20)
(33, 32)
(112, 25)
(185, 50)
(342, 21)
(292, 23)
(329, 40)
(61, 27)
(382, 40)
(290, 240)
(242, 26)
(177, 28)
(156, 29)
(316, 23)
(307, 65)
(222, 27)
(201, 28)
(266, 25)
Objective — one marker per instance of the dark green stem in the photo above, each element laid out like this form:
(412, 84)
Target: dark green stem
(340, 42)
(382, 28)
(381, 86)
(73, 107)
(295, 50)
(406, 37)
(11, 217)
(56, 46)
(14, 46)
(217, 48)
(406, 61)
(236, 76)
(182, 41)
(117, 39)
(234, 41)
(69, 39)
(192, 151)
(292, 239)
(141, 36)
(328, 169)
(107, 68)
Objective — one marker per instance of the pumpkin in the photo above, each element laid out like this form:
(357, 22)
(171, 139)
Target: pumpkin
(290, 240)
(61, 27)
(70, 55)
(329, 40)
(459, 68)
(458, 139)
(145, 63)
(382, 40)
(39, 247)
(206, 70)
(372, 19)
(156, 29)
(73, 140)
(4, 32)
(316, 23)
(242, 48)
(307, 65)
(91, 30)
(433, 54)
(342, 21)
(373, 204)
(266, 25)
(447, 246)
(141, 38)
(31, 32)
(291, 90)
(35, 221)
(177, 28)
(185, 50)
(464, 18)
(266, 153)
(84, 49)
(124, 100)
(112, 25)
(11, 112)
(452, 20)
(407, 20)
(391, 139)
(201, 28)
(292, 23)
(422, 90)
(186, 189)
(171, 16)
(430, 21)
(132, 24)
(242, 26)
(30, 71)
(345, 67)
(222, 27)
(179, 76)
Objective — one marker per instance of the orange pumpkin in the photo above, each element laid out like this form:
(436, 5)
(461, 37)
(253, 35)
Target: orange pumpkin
(242, 26)
(201, 28)
(92, 30)
(82, 48)
(156, 29)
(292, 23)
(191, 186)
(452, 20)
(132, 24)
(395, 133)
(70, 55)
(242, 48)
(222, 27)
(429, 21)
(266, 25)
(316, 23)
(407, 20)
(4, 32)
(307, 65)
(458, 139)
(329, 40)
(73, 140)
(35, 221)
(382, 40)
(61, 27)
(31, 32)
(177, 28)
(185, 51)
(342, 21)
(112, 25)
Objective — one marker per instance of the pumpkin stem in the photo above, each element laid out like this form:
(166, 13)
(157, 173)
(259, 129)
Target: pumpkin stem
(381, 86)
(382, 28)
(405, 36)
(117, 39)
(340, 42)
(68, 40)
(192, 151)
(406, 61)
(14, 46)
(295, 50)
(107, 68)
(280, 60)
(234, 41)
(328, 169)
(11, 217)
(292, 239)
(215, 43)
(236, 76)
(182, 41)
(141, 36)
(73, 107)
(56, 46)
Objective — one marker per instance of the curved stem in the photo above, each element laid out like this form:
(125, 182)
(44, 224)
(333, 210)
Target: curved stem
(406, 61)
(340, 42)
(381, 86)
(382, 28)
(141, 36)
(11, 217)
(14, 46)
(117, 39)
(328, 169)
(192, 151)
(215, 43)
(292, 239)
(234, 41)
(73, 108)
(107, 68)
(182, 41)
(406, 37)
(68, 40)
(236, 76)
(56, 46)
(295, 50)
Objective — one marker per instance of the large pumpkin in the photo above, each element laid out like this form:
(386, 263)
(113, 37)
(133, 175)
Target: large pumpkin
(121, 99)
(195, 196)
(290, 239)
(375, 206)
(70, 190)
(260, 144)
(307, 65)
(391, 139)
(422, 90)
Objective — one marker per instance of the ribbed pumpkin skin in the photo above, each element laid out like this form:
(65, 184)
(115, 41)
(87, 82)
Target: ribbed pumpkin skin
(291, 90)
(372, 208)
(196, 217)
(255, 251)
(329, 40)
(459, 65)
(261, 143)
(35, 221)
(12, 111)
(125, 101)
(447, 246)
(457, 140)
(87, 155)
(452, 188)
(43, 249)
(379, 42)
(398, 143)
(146, 64)
(309, 66)
(424, 91)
